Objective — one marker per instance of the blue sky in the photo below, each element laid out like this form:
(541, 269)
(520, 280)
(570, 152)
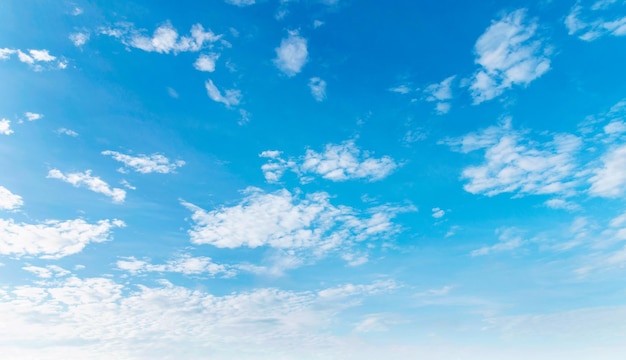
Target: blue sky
(312, 179)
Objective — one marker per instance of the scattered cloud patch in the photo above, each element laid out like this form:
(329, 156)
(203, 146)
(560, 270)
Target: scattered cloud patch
(401, 89)
(509, 239)
(510, 53)
(292, 54)
(52, 239)
(206, 62)
(31, 116)
(93, 183)
(47, 272)
(5, 127)
(318, 88)
(172, 93)
(185, 264)
(229, 98)
(68, 132)
(165, 39)
(146, 164)
(440, 93)
(38, 60)
(590, 21)
(610, 180)
(562, 204)
(515, 163)
(79, 38)
(8, 200)
(240, 3)
(338, 162)
(438, 213)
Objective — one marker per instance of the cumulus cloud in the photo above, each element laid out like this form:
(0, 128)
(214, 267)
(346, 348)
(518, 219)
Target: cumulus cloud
(286, 221)
(52, 239)
(514, 163)
(590, 21)
(31, 116)
(206, 62)
(509, 53)
(5, 127)
(240, 3)
(38, 60)
(184, 264)
(165, 39)
(93, 183)
(610, 179)
(338, 162)
(318, 88)
(79, 38)
(440, 93)
(8, 200)
(229, 98)
(292, 54)
(145, 164)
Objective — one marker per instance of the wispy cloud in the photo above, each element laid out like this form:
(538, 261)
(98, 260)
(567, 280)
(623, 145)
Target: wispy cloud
(38, 60)
(79, 38)
(8, 200)
(509, 239)
(93, 183)
(231, 97)
(31, 116)
(184, 264)
(596, 19)
(52, 239)
(68, 132)
(338, 162)
(610, 179)
(47, 272)
(145, 164)
(440, 93)
(318, 88)
(292, 54)
(509, 53)
(240, 3)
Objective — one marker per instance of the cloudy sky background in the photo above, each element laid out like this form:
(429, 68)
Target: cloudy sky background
(312, 179)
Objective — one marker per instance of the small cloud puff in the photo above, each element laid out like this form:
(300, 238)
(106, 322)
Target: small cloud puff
(292, 54)
(145, 164)
(230, 97)
(318, 88)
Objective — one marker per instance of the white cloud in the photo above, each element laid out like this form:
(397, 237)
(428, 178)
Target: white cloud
(184, 264)
(240, 3)
(168, 321)
(509, 239)
(438, 213)
(292, 54)
(36, 59)
(514, 163)
(337, 163)
(41, 55)
(592, 22)
(5, 127)
(440, 93)
(282, 220)
(401, 89)
(206, 62)
(509, 53)
(77, 11)
(318, 88)
(68, 132)
(79, 38)
(8, 200)
(145, 164)
(47, 272)
(6, 53)
(164, 40)
(172, 93)
(52, 239)
(610, 179)
(562, 204)
(31, 116)
(230, 97)
(92, 183)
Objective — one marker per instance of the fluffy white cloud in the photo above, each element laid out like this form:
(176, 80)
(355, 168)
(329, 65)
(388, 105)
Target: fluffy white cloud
(440, 93)
(79, 38)
(292, 54)
(185, 264)
(206, 62)
(240, 3)
(47, 272)
(5, 127)
(68, 132)
(168, 321)
(338, 162)
(36, 59)
(164, 40)
(92, 183)
(318, 88)
(593, 20)
(52, 239)
(145, 164)
(31, 116)
(610, 179)
(514, 163)
(283, 220)
(6, 53)
(8, 200)
(230, 97)
(509, 53)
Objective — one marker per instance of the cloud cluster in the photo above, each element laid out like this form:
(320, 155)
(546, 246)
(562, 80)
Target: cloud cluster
(8, 200)
(338, 162)
(440, 93)
(5, 127)
(165, 39)
(52, 239)
(593, 20)
(292, 54)
(145, 164)
(185, 264)
(509, 52)
(93, 183)
(38, 60)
